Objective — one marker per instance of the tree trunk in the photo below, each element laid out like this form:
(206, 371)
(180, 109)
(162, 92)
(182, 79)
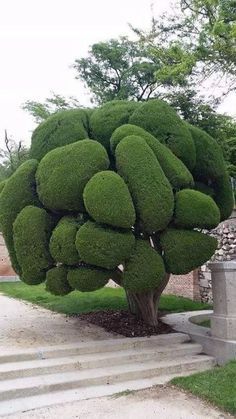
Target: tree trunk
(146, 303)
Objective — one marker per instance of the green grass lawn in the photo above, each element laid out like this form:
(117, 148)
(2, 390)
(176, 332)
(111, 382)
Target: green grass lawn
(217, 386)
(78, 302)
(205, 323)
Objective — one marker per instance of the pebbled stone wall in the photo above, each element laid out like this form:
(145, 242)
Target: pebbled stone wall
(226, 236)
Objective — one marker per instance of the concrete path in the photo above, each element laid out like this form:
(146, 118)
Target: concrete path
(23, 325)
(155, 403)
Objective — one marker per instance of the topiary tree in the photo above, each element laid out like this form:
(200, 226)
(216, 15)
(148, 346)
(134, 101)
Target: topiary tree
(125, 193)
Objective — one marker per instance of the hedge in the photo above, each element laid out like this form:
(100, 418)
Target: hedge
(195, 209)
(107, 200)
(158, 118)
(32, 230)
(150, 189)
(145, 270)
(56, 281)
(185, 250)
(175, 170)
(63, 173)
(102, 246)
(58, 130)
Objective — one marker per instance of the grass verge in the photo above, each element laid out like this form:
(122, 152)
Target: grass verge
(217, 386)
(84, 302)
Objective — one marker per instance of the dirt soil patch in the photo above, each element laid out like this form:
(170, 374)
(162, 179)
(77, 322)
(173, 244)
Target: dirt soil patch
(124, 323)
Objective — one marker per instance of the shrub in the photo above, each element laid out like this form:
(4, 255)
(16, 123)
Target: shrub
(32, 229)
(56, 281)
(150, 190)
(63, 173)
(106, 119)
(175, 171)
(87, 278)
(206, 189)
(209, 159)
(62, 242)
(107, 200)
(58, 130)
(19, 191)
(2, 184)
(195, 209)
(158, 118)
(223, 196)
(144, 270)
(185, 250)
(102, 246)
(87, 220)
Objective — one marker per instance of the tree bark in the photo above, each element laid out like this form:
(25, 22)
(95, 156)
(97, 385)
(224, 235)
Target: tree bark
(146, 303)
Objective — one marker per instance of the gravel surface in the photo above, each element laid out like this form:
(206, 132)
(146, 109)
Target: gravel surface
(24, 325)
(155, 403)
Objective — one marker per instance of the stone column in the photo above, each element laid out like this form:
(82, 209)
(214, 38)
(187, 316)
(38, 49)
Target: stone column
(223, 320)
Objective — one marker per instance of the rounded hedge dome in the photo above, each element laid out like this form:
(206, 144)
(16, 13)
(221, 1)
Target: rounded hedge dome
(144, 270)
(106, 207)
(62, 241)
(87, 278)
(63, 173)
(32, 229)
(60, 129)
(150, 189)
(103, 246)
(158, 118)
(109, 117)
(56, 281)
(114, 193)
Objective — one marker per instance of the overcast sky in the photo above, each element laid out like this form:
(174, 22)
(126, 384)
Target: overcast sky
(39, 40)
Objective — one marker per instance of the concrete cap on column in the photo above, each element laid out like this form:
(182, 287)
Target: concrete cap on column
(223, 266)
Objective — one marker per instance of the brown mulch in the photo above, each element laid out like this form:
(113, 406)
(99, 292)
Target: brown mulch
(124, 323)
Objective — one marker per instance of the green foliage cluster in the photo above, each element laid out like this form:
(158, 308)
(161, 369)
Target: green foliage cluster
(184, 250)
(106, 207)
(195, 209)
(32, 229)
(145, 270)
(158, 118)
(62, 241)
(63, 173)
(110, 116)
(19, 191)
(102, 246)
(150, 189)
(60, 129)
(88, 278)
(128, 195)
(56, 281)
(174, 169)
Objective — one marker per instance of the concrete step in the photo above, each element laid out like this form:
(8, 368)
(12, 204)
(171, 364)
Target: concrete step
(36, 385)
(22, 369)
(91, 347)
(25, 404)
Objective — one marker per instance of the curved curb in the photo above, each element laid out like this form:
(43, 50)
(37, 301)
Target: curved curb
(223, 350)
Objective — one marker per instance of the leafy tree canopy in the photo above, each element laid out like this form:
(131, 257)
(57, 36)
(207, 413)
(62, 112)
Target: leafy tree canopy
(42, 110)
(12, 155)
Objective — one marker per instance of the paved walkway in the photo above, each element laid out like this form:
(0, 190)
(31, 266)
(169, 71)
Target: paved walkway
(156, 403)
(23, 325)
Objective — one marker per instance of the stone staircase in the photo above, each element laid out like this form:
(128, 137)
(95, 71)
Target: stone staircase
(33, 378)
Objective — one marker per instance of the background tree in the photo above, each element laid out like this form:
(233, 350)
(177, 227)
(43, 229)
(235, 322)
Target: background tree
(11, 156)
(42, 110)
(118, 69)
(204, 33)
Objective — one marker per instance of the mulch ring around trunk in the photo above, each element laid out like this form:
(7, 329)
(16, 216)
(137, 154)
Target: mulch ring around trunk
(124, 323)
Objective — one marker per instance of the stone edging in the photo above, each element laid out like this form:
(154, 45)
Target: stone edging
(223, 350)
